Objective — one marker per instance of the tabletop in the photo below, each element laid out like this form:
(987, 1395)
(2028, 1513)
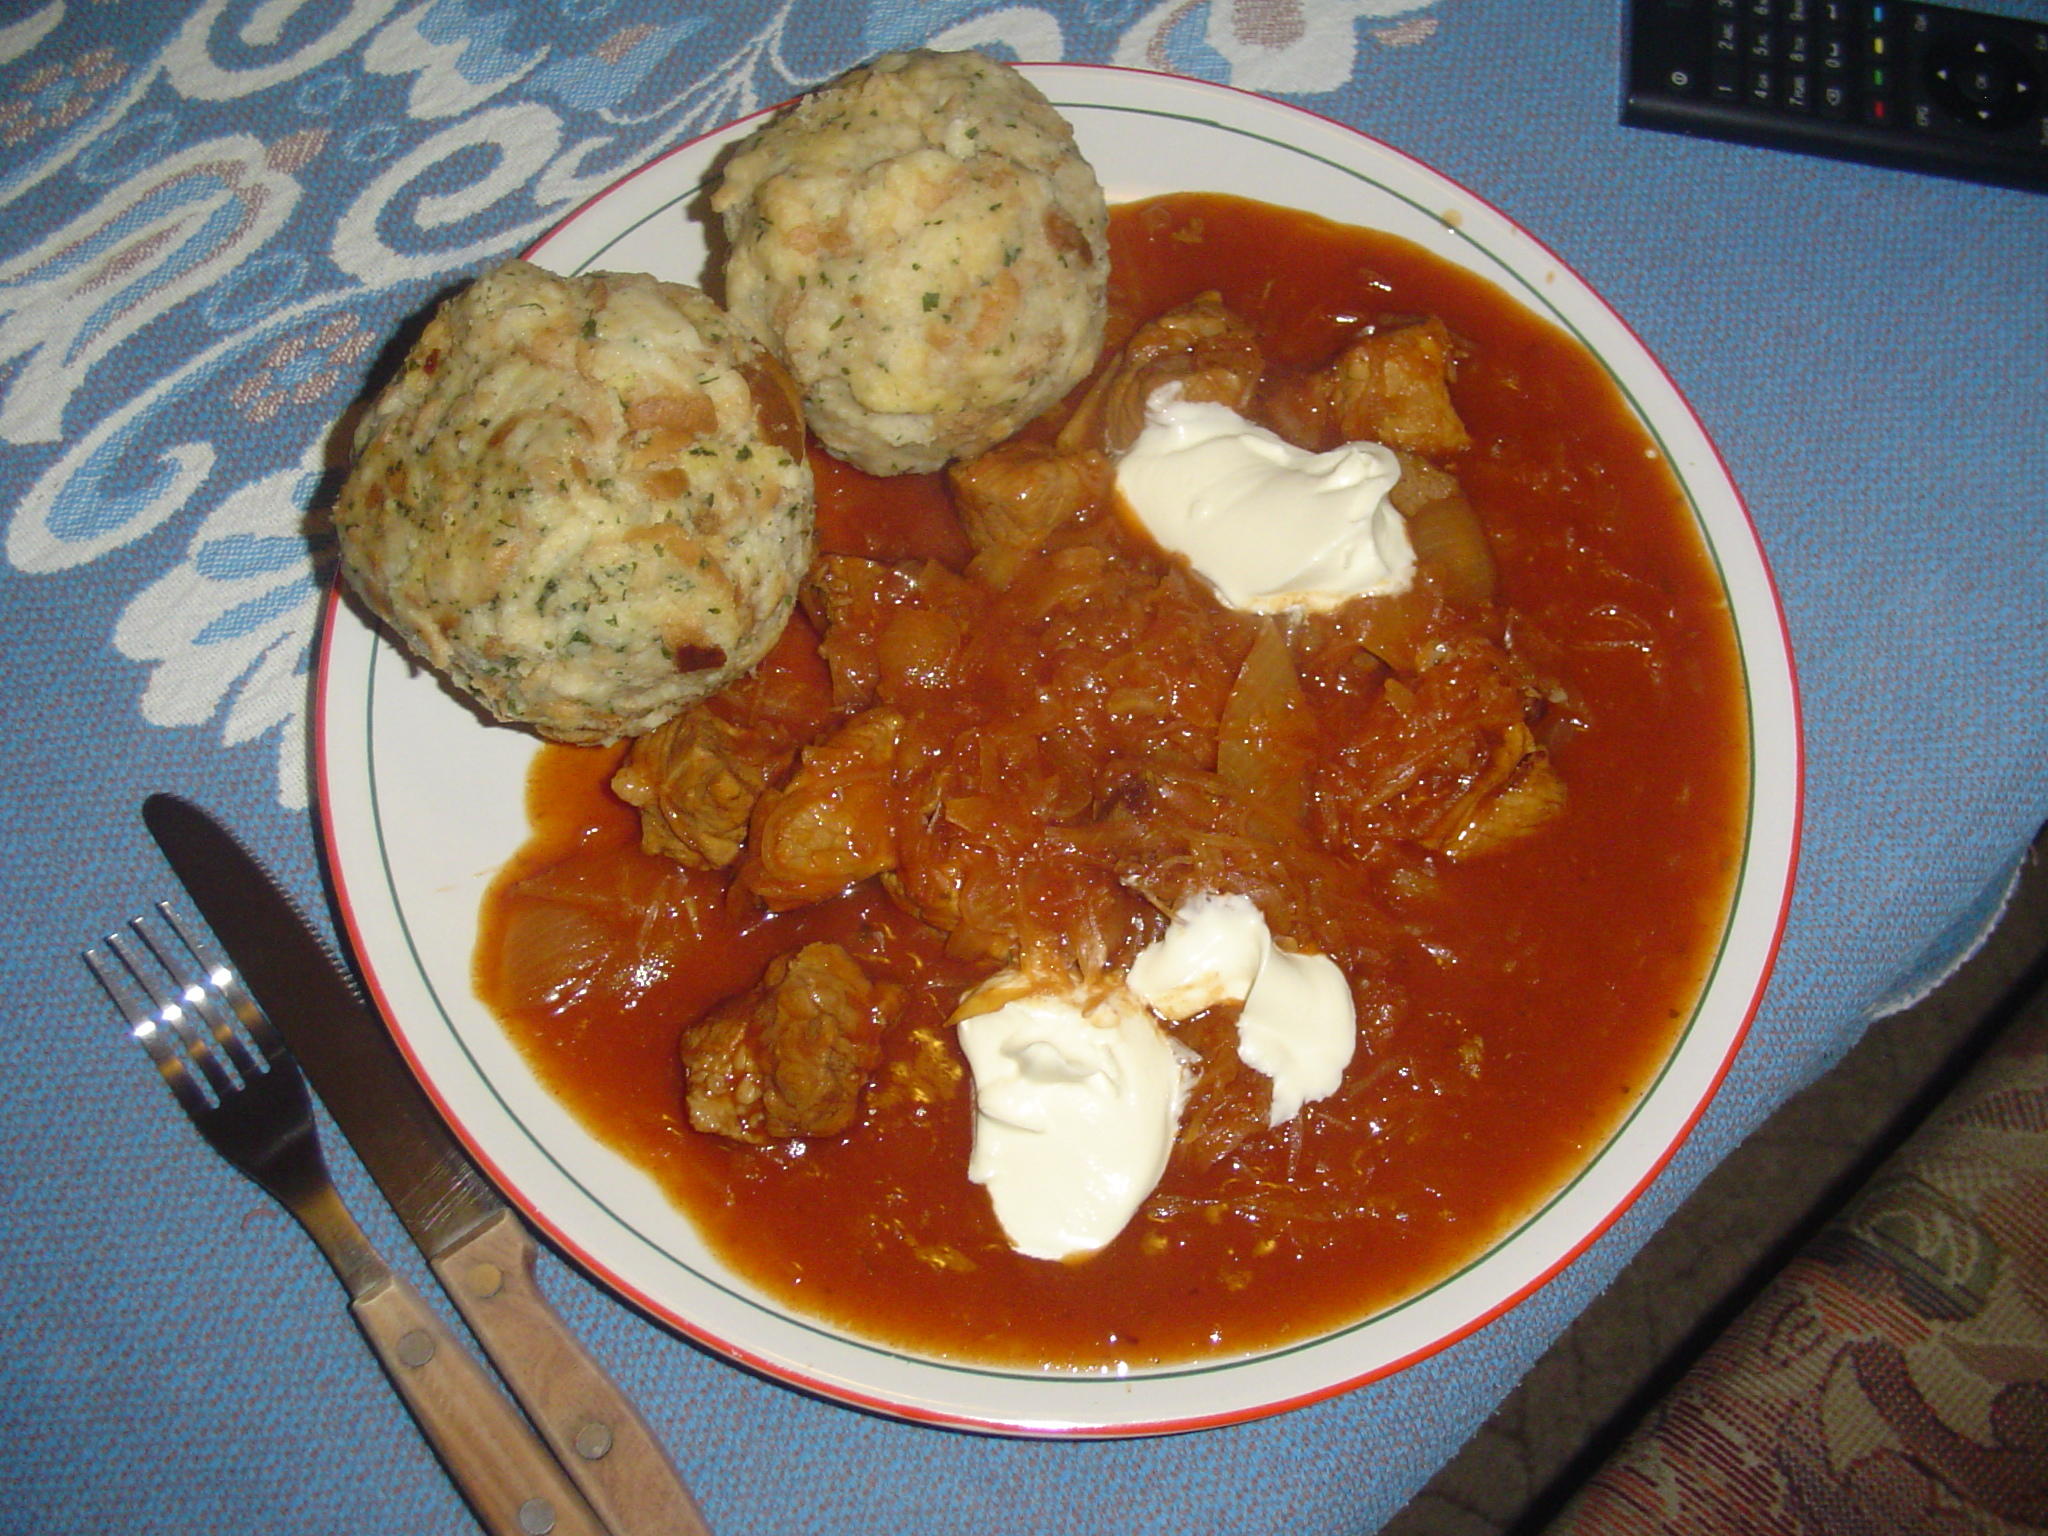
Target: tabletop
(217, 212)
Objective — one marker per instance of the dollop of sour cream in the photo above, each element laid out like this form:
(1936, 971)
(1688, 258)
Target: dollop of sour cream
(1297, 1025)
(1078, 1097)
(1077, 1101)
(1268, 525)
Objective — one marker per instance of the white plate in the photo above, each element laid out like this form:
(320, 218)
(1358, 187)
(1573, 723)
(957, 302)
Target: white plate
(421, 805)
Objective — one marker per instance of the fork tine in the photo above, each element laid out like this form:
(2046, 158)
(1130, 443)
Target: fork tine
(226, 982)
(146, 1028)
(174, 1015)
(203, 1000)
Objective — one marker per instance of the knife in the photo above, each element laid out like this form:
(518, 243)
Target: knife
(477, 1246)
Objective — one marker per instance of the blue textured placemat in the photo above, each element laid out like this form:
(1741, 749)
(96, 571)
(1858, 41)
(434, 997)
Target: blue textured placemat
(214, 216)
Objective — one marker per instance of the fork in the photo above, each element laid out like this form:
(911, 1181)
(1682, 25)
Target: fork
(227, 1066)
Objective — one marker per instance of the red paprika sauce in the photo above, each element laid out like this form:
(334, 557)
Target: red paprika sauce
(1528, 998)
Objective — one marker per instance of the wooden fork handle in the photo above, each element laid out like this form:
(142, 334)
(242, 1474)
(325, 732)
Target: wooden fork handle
(597, 1436)
(512, 1483)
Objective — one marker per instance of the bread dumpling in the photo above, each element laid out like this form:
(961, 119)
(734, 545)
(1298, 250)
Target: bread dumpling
(925, 248)
(584, 500)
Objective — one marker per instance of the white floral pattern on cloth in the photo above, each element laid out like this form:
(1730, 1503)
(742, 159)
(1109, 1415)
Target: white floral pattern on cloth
(224, 632)
(217, 214)
(1267, 45)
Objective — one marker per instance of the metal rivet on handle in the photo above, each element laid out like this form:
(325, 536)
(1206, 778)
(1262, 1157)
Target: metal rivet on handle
(594, 1440)
(416, 1348)
(486, 1279)
(536, 1517)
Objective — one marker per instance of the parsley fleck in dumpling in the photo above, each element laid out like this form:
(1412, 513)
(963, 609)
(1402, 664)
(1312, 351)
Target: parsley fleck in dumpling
(584, 500)
(923, 245)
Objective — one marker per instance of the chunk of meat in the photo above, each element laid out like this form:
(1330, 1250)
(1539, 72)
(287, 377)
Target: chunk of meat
(848, 597)
(1437, 745)
(1529, 795)
(999, 876)
(914, 653)
(1391, 385)
(890, 632)
(695, 780)
(1011, 497)
(1202, 346)
(832, 823)
(791, 1056)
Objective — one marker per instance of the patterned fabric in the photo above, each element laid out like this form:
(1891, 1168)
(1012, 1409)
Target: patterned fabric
(216, 216)
(1893, 1381)
(227, 214)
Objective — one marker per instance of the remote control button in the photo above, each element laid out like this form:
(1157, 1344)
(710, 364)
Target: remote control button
(1985, 82)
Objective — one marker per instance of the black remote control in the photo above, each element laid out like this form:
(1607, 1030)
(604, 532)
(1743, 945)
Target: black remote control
(1923, 87)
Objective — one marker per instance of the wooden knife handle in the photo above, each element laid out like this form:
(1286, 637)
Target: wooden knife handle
(597, 1436)
(510, 1480)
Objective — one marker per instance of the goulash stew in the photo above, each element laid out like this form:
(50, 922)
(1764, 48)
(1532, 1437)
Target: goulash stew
(1006, 731)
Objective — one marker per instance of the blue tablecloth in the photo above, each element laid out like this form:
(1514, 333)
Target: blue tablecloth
(212, 217)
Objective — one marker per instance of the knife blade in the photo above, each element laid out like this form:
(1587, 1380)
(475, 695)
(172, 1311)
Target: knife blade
(477, 1246)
